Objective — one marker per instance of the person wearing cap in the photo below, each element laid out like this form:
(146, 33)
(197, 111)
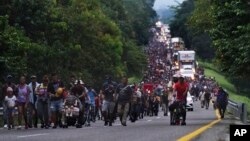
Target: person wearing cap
(79, 91)
(32, 102)
(4, 93)
(10, 101)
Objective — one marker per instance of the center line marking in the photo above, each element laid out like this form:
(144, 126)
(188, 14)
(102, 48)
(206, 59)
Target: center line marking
(149, 120)
(33, 135)
(197, 132)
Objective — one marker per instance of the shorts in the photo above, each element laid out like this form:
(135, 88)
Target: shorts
(56, 106)
(10, 110)
(108, 106)
(19, 104)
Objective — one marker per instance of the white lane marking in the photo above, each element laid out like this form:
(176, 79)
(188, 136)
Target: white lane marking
(33, 135)
(158, 117)
(149, 120)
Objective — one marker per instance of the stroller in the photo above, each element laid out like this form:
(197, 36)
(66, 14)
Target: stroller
(71, 112)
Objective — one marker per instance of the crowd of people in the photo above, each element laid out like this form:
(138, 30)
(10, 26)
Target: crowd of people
(52, 102)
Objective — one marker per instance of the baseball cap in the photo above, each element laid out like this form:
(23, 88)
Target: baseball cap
(33, 76)
(9, 76)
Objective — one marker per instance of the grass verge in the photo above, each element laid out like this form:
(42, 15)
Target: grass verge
(210, 70)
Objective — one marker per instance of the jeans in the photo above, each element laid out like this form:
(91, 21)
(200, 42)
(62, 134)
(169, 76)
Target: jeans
(89, 112)
(123, 109)
(43, 111)
(165, 108)
(32, 114)
(108, 110)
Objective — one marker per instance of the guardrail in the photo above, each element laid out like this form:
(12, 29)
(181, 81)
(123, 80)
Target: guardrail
(238, 110)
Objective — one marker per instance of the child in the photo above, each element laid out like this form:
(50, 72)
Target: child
(10, 100)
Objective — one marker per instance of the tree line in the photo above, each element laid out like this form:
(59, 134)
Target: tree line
(219, 30)
(87, 38)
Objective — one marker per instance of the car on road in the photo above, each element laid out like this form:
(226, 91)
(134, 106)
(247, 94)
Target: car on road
(190, 102)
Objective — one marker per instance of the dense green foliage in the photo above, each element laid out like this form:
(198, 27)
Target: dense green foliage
(88, 38)
(194, 38)
(224, 25)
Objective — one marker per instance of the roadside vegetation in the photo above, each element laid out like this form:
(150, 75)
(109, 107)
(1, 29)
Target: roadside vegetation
(212, 71)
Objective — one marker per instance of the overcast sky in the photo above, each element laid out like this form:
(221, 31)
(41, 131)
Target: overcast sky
(164, 3)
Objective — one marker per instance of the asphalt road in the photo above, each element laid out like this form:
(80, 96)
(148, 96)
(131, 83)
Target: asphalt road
(147, 129)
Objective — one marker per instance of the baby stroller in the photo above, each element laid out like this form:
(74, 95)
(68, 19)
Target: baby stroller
(71, 111)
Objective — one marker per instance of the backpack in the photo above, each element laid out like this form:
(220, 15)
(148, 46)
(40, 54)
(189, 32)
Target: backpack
(123, 94)
(207, 95)
(222, 97)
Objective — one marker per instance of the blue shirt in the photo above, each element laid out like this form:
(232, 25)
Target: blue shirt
(91, 96)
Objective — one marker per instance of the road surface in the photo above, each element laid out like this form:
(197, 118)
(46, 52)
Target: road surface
(147, 129)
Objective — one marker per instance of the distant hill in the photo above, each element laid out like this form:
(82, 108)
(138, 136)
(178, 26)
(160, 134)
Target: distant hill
(165, 14)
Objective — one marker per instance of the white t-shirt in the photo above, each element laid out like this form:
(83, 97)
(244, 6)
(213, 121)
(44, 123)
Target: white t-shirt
(10, 101)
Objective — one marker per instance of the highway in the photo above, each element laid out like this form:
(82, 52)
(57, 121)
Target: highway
(147, 129)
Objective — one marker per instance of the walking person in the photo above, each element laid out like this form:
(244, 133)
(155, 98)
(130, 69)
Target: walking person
(108, 103)
(222, 101)
(9, 83)
(55, 90)
(207, 98)
(181, 89)
(10, 101)
(90, 108)
(32, 107)
(164, 102)
(124, 97)
(22, 101)
(43, 102)
(202, 98)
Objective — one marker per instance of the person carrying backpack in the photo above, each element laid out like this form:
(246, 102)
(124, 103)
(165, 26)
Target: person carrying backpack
(124, 99)
(222, 101)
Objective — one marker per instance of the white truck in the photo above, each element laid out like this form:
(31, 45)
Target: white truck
(187, 63)
(177, 43)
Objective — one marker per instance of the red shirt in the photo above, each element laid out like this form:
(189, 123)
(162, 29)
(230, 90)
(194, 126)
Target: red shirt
(181, 88)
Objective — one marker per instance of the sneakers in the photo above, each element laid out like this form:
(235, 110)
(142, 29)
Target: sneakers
(183, 123)
(110, 123)
(105, 123)
(54, 127)
(5, 126)
(19, 127)
(124, 124)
